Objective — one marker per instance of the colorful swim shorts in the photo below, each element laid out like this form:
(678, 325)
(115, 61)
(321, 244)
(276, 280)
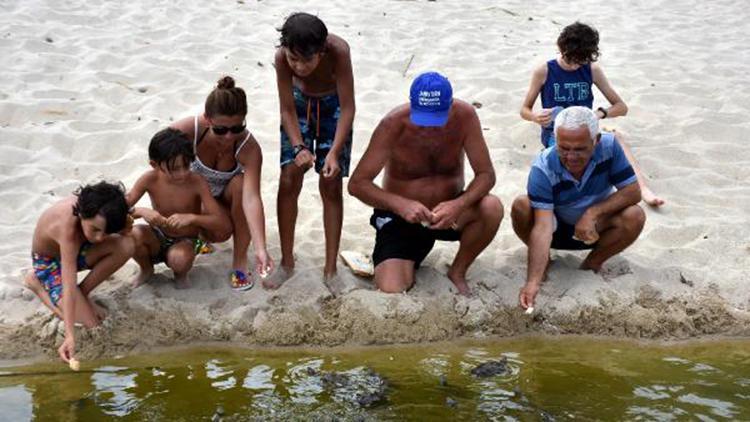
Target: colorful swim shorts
(49, 271)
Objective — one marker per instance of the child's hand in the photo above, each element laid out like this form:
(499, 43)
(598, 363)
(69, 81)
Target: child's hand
(304, 159)
(154, 218)
(178, 221)
(543, 116)
(331, 166)
(67, 349)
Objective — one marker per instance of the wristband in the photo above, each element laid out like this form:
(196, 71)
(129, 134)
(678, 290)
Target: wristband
(298, 149)
(604, 112)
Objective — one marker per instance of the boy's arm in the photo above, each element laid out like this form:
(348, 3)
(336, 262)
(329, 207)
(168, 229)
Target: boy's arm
(286, 99)
(68, 271)
(135, 194)
(618, 107)
(345, 92)
(535, 87)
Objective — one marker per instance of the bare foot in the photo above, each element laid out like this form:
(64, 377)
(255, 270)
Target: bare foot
(650, 197)
(181, 282)
(334, 284)
(459, 280)
(99, 311)
(585, 265)
(32, 283)
(275, 280)
(143, 276)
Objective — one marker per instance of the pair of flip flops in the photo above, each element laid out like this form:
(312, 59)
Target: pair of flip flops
(239, 281)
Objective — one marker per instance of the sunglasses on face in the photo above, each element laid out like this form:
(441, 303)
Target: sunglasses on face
(222, 130)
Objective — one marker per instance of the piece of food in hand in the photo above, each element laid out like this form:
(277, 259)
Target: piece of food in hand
(588, 242)
(74, 364)
(529, 310)
(264, 272)
(425, 224)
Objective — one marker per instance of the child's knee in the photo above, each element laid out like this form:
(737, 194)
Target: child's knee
(180, 258)
(126, 246)
(331, 190)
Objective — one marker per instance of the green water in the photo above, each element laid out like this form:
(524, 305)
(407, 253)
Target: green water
(547, 379)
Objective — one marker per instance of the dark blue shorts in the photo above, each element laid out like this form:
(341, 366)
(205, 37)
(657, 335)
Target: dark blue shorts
(317, 118)
(562, 239)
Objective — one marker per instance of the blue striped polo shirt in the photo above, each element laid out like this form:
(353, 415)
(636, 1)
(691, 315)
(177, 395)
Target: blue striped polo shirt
(552, 187)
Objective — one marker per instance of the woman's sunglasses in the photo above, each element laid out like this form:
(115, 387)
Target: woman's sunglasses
(222, 130)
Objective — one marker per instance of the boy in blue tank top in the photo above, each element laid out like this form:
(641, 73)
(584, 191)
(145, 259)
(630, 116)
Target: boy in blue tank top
(567, 81)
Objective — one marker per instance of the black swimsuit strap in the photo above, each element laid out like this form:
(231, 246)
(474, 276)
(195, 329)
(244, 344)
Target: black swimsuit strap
(203, 135)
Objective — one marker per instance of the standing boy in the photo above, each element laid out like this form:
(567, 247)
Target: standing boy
(316, 94)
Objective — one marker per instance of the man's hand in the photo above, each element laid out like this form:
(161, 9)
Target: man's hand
(304, 159)
(67, 349)
(586, 229)
(543, 117)
(528, 295)
(414, 212)
(331, 167)
(445, 214)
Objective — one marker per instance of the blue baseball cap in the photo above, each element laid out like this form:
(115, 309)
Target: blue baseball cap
(431, 96)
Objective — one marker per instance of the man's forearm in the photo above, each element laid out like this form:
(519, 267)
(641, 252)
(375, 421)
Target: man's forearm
(539, 245)
(623, 198)
(374, 196)
(478, 188)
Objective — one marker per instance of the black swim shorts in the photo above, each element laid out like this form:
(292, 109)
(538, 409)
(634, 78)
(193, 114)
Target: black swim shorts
(397, 238)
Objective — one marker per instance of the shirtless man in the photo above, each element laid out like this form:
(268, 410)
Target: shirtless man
(422, 146)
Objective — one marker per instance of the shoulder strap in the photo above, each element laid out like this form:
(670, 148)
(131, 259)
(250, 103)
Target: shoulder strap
(237, 151)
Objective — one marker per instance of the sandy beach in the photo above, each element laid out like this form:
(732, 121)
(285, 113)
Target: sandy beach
(84, 86)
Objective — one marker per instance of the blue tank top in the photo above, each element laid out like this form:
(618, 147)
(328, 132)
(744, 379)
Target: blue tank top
(565, 88)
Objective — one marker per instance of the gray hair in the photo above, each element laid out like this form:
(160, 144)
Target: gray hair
(575, 117)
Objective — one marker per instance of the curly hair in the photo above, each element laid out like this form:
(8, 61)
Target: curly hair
(105, 199)
(579, 43)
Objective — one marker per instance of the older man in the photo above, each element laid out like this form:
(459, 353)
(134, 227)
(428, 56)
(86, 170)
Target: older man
(422, 146)
(572, 203)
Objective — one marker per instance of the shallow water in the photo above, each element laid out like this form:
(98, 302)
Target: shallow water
(546, 379)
